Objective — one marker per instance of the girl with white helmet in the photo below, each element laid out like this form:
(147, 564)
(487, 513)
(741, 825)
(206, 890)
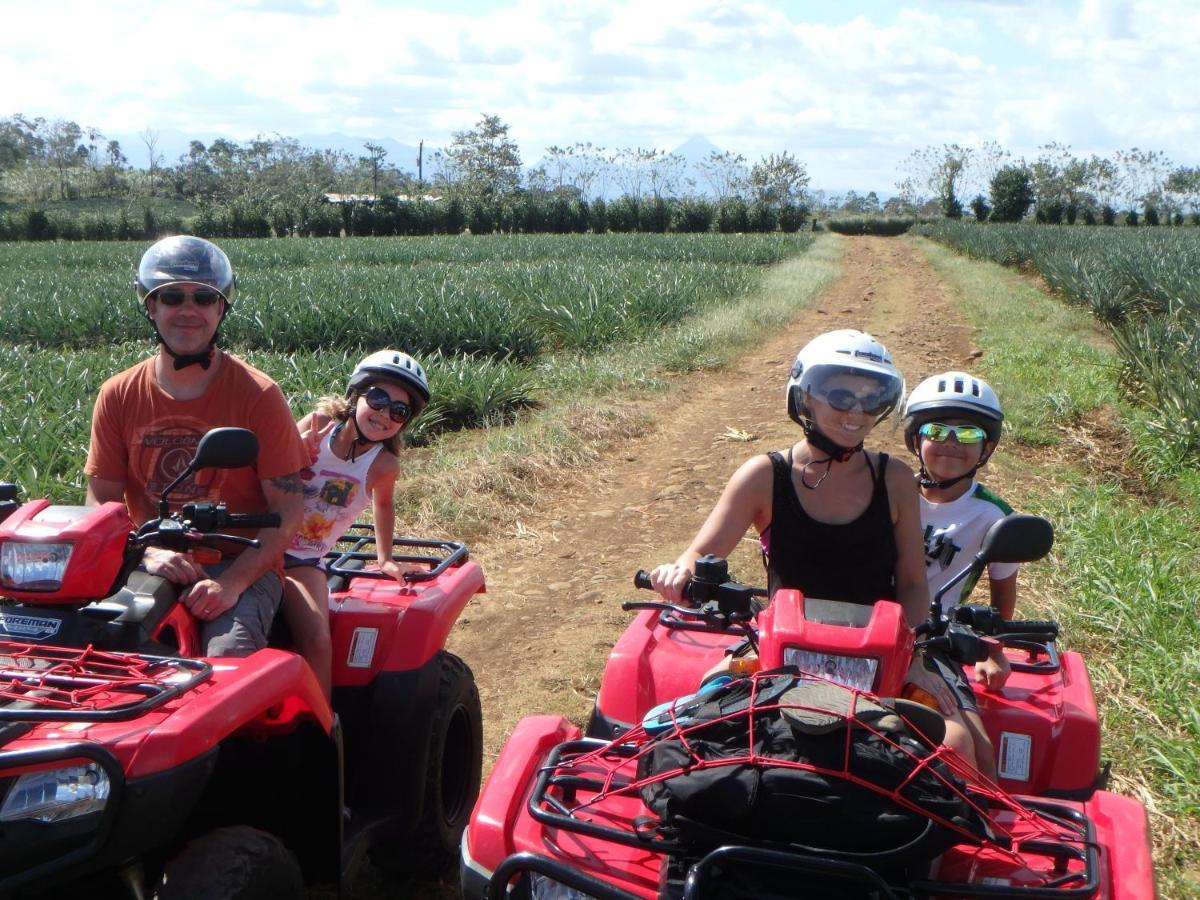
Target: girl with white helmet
(835, 520)
(352, 442)
(952, 422)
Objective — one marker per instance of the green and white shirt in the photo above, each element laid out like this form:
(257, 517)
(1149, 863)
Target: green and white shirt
(953, 534)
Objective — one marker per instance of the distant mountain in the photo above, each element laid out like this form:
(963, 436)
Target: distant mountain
(697, 149)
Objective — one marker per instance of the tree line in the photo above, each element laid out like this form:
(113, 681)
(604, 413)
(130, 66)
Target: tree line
(276, 186)
(1057, 186)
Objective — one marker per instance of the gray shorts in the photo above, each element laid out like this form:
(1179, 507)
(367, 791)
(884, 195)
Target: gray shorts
(245, 626)
(955, 679)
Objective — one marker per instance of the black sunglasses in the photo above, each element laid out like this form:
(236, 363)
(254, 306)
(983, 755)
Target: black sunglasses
(844, 400)
(377, 398)
(176, 296)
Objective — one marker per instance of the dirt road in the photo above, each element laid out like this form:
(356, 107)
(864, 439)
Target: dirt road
(538, 639)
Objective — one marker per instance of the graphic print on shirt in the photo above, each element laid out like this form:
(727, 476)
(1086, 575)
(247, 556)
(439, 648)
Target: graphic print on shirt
(322, 506)
(940, 549)
(165, 454)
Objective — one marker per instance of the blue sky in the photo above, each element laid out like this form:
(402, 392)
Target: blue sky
(849, 88)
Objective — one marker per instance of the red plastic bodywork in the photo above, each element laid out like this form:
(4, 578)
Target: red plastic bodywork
(501, 825)
(1043, 725)
(265, 693)
(383, 625)
(98, 535)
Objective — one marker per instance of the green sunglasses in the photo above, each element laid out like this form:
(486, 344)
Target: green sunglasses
(964, 434)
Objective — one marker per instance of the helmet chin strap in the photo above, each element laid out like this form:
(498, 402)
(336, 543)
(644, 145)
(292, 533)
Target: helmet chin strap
(203, 359)
(925, 480)
(834, 451)
(359, 440)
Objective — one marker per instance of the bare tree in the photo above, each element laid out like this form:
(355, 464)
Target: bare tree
(726, 174)
(150, 138)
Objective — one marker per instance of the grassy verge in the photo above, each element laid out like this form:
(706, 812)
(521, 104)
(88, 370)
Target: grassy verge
(1125, 575)
(473, 482)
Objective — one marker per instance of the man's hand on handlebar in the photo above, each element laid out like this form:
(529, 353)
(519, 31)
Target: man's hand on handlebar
(669, 581)
(175, 567)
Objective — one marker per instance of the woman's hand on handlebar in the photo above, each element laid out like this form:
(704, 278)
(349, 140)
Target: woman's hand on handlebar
(669, 580)
(175, 567)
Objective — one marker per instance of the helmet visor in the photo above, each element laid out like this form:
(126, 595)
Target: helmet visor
(845, 388)
(185, 260)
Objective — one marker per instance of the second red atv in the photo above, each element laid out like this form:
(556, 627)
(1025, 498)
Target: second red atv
(125, 754)
(752, 785)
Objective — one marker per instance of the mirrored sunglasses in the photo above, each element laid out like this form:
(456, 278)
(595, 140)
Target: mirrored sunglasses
(377, 398)
(964, 434)
(844, 400)
(176, 296)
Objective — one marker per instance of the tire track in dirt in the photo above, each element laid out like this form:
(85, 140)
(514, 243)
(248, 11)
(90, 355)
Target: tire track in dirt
(537, 640)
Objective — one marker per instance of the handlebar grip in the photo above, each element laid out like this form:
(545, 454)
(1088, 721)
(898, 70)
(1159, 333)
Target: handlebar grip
(252, 520)
(642, 580)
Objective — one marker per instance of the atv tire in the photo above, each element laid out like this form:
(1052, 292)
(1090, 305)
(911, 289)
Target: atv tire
(452, 778)
(238, 863)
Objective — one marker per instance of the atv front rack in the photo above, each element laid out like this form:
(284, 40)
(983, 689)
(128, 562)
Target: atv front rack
(593, 789)
(59, 684)
(357, 547)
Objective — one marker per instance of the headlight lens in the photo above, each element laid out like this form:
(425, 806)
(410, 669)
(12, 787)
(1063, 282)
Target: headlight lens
(33, 566)
(857, 672)
(543, 888)
(56, 794)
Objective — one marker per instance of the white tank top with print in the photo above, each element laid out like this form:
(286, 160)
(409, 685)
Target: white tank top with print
(335, 492)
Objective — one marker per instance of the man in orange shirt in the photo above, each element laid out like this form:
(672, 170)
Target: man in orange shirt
(148, 419)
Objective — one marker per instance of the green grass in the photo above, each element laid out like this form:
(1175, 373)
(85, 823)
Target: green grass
(472, 483)
(501, 322)
(1126, 569)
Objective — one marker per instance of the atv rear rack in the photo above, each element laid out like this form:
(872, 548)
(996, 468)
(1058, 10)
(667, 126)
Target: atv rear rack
(59, 684)
(356, 548)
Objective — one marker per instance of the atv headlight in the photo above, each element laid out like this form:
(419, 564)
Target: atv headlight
(56, 794)
(542, 887)
(856, 672)
(33, 566)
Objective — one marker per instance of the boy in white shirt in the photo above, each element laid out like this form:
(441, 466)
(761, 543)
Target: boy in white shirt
(952, 423)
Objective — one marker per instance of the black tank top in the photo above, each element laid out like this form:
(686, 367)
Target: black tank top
(853, 562)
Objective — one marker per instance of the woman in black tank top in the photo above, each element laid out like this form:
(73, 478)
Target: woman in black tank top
(836, 521)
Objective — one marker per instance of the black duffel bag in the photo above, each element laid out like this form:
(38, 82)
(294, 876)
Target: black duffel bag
(841, 796)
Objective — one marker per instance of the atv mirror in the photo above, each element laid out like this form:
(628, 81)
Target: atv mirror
(1011, 539)
(225, 448)
(220, 448)
(1017, 539)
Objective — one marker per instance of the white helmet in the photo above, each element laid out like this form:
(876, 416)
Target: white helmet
(952, 395)
(394, 366)
(845, 351)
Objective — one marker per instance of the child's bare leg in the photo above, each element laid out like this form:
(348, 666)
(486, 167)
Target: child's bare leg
(985, 753)
(306, 605)
(958, 738)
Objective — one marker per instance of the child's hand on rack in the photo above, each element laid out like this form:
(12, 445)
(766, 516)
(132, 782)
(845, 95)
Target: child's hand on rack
(398, 569)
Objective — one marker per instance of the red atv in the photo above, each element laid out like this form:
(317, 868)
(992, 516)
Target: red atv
(732, 791)
(123, 752)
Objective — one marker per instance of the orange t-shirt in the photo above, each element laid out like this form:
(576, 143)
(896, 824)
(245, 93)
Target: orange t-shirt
(143, 437)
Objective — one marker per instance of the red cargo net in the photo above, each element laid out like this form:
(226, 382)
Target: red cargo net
(59, 683)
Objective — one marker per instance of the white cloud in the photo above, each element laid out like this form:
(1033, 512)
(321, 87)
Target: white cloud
(849, 94)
